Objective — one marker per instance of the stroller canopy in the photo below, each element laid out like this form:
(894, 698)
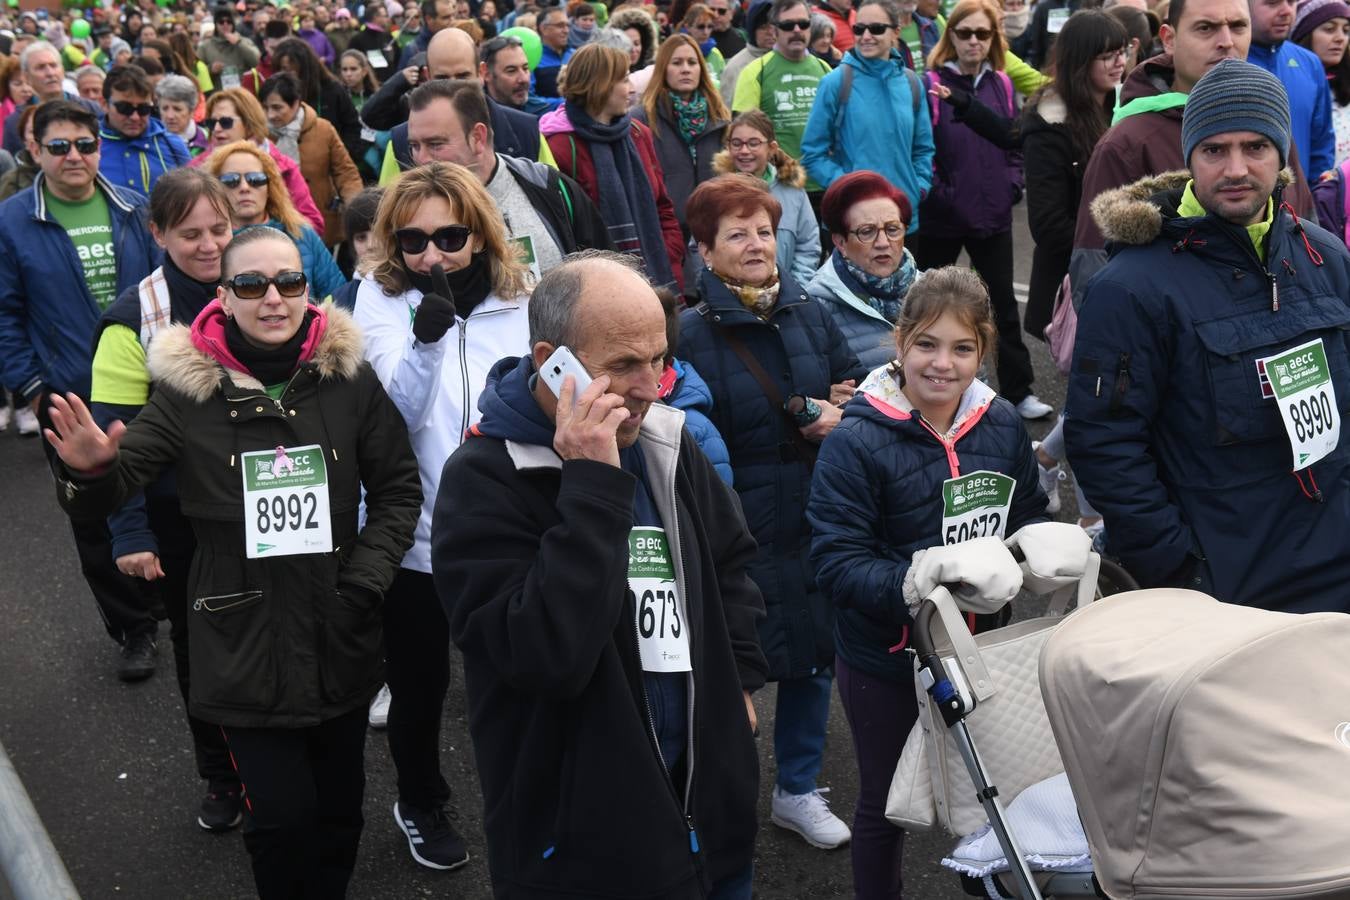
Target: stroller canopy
(1207, 744)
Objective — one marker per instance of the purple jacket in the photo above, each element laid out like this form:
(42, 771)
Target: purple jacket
(319, 42)
(975, 182)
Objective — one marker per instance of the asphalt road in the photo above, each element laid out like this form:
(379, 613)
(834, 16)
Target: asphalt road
(110, 769)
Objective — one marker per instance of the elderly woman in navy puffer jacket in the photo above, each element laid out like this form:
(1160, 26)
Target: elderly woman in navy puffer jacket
(877, 502)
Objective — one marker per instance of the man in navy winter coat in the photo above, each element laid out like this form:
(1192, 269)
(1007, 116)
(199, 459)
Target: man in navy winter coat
(1212, 368)
(68, 246)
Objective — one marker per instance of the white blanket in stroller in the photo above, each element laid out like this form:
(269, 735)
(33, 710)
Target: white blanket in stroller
(1044, 820)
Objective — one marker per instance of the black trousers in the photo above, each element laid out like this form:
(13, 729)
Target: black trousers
(417, 669)
(173, 532)
(992, 257)
(123, 602)
(303, 789)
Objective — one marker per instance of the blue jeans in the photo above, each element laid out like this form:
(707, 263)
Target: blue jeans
(734, 887)
(801, 719)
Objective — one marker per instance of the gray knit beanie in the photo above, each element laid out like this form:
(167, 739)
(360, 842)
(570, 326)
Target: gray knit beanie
(1236, 96)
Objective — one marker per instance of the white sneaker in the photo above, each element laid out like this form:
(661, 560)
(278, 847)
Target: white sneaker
(809, 815)
(5, 413)
(1050, 479)
(379, 709)
(1031, 407)
(27, 421)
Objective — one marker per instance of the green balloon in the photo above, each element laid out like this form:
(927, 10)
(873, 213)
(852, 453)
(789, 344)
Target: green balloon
(79, 29)
(529, 42)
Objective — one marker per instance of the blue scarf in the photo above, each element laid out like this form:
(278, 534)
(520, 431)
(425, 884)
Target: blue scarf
(885, 295)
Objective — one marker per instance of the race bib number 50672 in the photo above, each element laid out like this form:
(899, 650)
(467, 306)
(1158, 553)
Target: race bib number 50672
(1301, 381)
(976, 505)
(286, 502)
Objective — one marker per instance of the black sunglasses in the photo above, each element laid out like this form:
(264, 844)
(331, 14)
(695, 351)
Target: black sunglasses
(126, 108)
(252, 286)
(793, 24)
(876, 28)
(61, 147)
(226, 122)
(980, 34)
(254, 179)
(450, 239)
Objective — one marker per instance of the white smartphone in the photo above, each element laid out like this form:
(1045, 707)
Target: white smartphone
(561, 363)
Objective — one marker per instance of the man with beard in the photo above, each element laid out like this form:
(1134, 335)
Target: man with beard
(1211, 360)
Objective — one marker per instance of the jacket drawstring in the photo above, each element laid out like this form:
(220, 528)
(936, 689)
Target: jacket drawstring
(1316, 495)
(1188, 242)
(1303, 234)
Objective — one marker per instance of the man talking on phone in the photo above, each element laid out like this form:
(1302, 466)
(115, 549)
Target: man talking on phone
(593, 570)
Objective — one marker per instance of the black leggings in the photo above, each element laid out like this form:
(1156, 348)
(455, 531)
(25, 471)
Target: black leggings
(992, 257)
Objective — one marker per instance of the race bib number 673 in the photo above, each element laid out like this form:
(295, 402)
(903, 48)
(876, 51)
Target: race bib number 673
(286, 502)
(976, 505)
(1301, 381)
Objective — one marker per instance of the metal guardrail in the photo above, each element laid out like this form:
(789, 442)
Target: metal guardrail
(29, 864)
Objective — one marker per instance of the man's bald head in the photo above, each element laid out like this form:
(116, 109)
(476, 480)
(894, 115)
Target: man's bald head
(567, 297)
(451, 54)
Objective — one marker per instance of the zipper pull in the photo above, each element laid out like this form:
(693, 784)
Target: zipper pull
(693, 835)
(1274, 294)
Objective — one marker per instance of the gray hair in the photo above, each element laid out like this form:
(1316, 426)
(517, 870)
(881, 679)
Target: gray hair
(819, 26)
(889, 7)
(33, 49)
(553, 303)
(612, 37)
(177, 89)
(89, 69)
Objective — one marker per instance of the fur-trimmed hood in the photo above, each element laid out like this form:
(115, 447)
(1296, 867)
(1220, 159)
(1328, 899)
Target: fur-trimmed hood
(1132, 215)
(646, 26)
(176, 361)
(789, 173)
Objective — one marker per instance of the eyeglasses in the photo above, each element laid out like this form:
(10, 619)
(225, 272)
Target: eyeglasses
(894, 231)
(793, 24)
(61, 147)
(876, 28)
(126, 108)
(965, 34)
(719, 10)
(232, 180)
(226, 122)
(1111, 56)
(253, 286)
(752, 144)
(450, 239)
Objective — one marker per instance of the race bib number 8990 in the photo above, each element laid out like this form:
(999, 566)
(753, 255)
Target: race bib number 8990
(1301, 381)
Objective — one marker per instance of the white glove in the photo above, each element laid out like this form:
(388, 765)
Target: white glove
(987, 575)
(1056, 554)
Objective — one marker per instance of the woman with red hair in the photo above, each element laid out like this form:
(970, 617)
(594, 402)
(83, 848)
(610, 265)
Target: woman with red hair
(863, 283)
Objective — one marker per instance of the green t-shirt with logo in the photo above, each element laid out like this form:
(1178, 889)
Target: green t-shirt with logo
(90, 228)
(785, 91)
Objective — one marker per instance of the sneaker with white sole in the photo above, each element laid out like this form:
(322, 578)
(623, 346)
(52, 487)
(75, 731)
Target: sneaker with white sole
(26, 421)
(809, 815)
(379, 709)
(1031, 407)
(1050, 479)
(432, 840)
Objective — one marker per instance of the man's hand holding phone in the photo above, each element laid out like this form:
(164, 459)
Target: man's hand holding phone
(588, 425)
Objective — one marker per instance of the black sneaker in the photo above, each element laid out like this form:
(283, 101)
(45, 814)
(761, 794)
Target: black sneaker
(139, 655)
(221, 810)
(432, 840)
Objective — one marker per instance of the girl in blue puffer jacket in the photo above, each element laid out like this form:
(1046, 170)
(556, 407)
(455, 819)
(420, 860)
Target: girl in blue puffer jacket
(926, 455)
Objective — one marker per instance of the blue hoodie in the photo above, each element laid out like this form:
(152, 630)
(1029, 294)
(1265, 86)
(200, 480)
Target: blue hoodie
(135, 164)
(1305, 81)
(510, 412)
(692, 395)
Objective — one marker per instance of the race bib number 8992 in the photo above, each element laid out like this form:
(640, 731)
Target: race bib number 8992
(286, 502)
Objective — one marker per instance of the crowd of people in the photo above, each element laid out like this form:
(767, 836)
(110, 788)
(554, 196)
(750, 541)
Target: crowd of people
(625, 347)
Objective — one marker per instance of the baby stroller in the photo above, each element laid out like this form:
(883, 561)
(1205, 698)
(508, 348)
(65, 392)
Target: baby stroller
(1206, 746)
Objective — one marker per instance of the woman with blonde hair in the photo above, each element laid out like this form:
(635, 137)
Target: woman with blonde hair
(597, 142)
(698, 24)
(258, 197)
(752, 149)
(975, 184)
(445, 298)
(687, 118)
(233, 115)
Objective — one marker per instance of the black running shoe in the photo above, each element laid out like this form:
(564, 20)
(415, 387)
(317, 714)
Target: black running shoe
(139, 655)
(432, 840)
(222, 809)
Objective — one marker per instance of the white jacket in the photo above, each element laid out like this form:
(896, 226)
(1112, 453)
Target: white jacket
(436, 386)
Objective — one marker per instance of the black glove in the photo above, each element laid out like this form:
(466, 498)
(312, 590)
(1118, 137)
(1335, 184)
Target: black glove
(437, 312)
